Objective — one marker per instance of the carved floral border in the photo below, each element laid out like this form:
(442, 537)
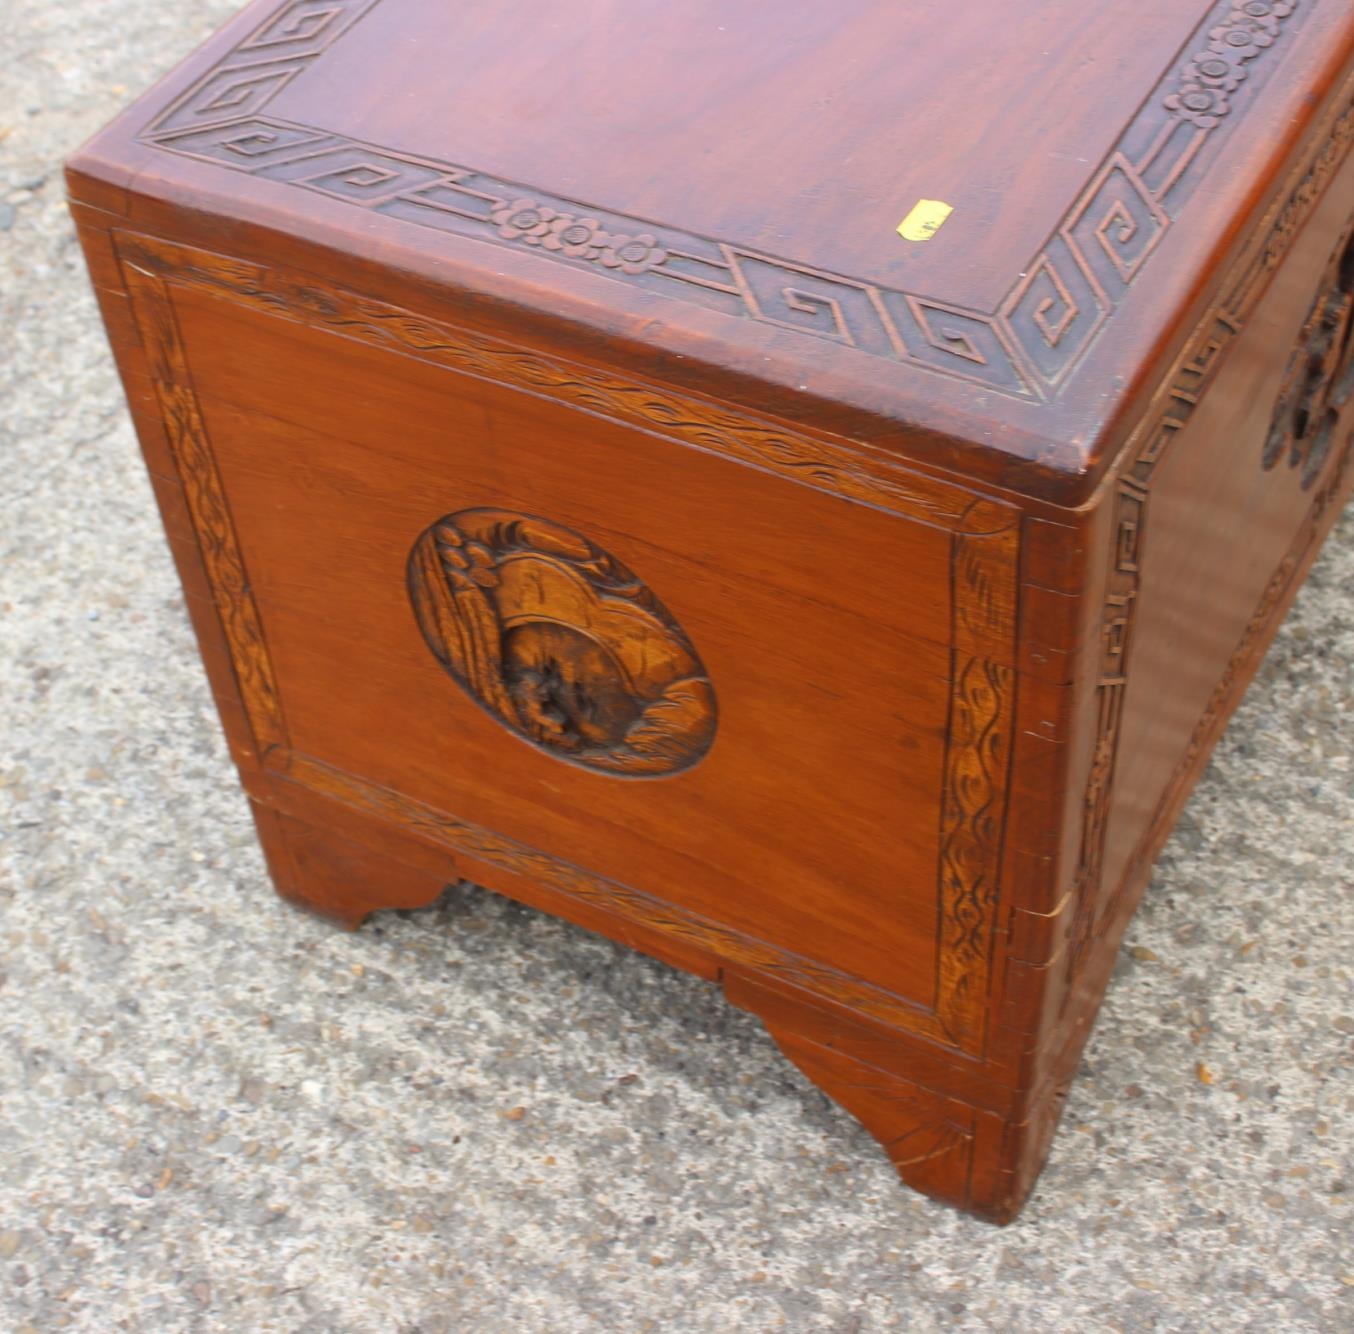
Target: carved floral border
(1028, 347)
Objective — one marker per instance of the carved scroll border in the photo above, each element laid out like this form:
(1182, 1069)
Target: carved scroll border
(1027, 348)
(984, 537)
(1194, 371)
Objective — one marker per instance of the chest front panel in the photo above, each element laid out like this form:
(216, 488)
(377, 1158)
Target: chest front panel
(553, 610)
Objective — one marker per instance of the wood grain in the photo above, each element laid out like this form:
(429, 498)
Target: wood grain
(514, 447)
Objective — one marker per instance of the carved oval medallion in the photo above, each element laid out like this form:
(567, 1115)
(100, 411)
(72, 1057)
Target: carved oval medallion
(561, 643)
(1319, 382)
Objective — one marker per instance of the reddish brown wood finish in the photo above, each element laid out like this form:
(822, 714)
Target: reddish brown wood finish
(579, 485)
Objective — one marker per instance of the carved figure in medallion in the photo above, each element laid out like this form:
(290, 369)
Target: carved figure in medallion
(561, 643)
(1319, 381)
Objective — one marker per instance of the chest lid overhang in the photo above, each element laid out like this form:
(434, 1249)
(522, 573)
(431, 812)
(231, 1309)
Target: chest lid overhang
(712, 193)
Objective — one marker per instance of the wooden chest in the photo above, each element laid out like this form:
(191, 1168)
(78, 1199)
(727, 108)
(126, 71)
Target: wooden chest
(795, 487)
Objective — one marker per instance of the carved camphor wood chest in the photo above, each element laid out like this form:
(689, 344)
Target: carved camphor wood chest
(797, 488)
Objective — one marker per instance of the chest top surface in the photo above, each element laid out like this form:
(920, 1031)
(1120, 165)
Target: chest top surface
(934, 225)
(803, 132)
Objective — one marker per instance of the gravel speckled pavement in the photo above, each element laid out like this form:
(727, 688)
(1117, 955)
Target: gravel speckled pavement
(217, 1114)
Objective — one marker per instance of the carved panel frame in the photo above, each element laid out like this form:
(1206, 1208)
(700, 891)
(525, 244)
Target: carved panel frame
(984, 540)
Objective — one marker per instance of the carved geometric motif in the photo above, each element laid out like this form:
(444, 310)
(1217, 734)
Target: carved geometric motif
(266, 62)
(307, 22)
(1116, 226)
(1027, 348)
(1056, 311)
(1070, 290)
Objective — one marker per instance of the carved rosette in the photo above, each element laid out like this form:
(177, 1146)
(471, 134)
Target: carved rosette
(577, 236)
(562, 644)
(1319, 381)
(1213, 75)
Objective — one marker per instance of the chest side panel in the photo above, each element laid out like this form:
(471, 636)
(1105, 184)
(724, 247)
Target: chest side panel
(553, 619)
(1236, 477)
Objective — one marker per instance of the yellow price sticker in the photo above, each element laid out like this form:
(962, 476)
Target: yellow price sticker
(925, 220)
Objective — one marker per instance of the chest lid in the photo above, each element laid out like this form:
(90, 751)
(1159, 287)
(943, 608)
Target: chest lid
(964, 232)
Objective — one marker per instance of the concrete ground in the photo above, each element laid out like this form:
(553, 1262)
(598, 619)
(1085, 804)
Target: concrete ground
(217, 1114)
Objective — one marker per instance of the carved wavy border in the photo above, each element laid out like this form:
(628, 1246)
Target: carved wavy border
(807, 460)
(978, 752)
(1027, 348)
(1194, 372)
(621, 901)
(153, 309)
(984, 534)
(977, 762)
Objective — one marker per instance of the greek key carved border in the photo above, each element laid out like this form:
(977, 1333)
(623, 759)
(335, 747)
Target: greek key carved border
(1194, 372)
(1241, 663)
(1027, 348)
(984, 538)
